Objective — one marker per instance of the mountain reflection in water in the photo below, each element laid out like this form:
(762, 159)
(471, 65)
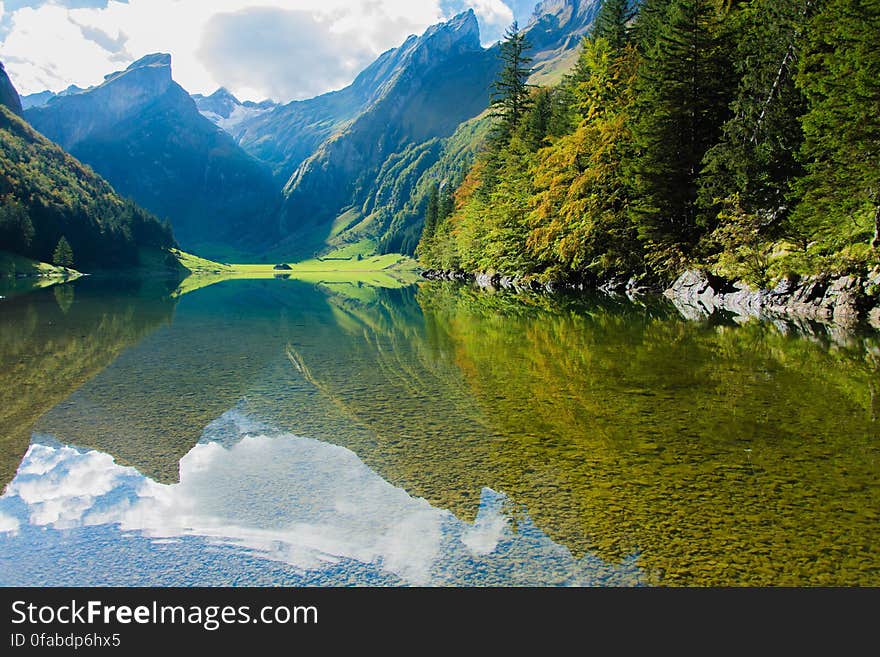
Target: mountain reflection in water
(247, 492)
(502, 439)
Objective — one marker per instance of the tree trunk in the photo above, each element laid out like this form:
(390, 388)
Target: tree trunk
(875, 243)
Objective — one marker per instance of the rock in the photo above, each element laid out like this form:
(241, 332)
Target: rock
(785, 287)
(693, 287)
(710, 299)
(613, 286)
(691, 282)
(690, 311)
(744, 303)
(874, 317)
(698, 291)
(486, 281)
(810, 292)
(840, 301)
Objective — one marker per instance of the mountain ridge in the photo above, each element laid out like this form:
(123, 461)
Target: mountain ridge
(420, 93)
(8, 94)
(323, 162)
(144, 133)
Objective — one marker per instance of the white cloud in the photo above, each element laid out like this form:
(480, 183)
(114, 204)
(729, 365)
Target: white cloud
(331, 507)
(293, 500)
(60, 486)
(257, 48)
(8, 524)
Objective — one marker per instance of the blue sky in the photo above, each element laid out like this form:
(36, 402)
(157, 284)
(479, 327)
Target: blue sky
(280, 49)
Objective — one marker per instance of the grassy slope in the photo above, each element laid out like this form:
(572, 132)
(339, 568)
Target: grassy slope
(36, 275)
(391, 270)
(12, 265)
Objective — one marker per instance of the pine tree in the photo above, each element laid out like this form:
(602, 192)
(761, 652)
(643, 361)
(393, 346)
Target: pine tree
(613, 23)
(840, 76)
(536, 124)
(432, 211)
(63, 254)
(649, 24)
(757, 158)
(682, 93)
(16, 229)
(510, 91)
(447, 203)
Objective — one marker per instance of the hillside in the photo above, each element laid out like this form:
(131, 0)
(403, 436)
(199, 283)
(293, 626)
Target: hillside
(144, 133)
(47, 194)
(356, 157)
(700, 138)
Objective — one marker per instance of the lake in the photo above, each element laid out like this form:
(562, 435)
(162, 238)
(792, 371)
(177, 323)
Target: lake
(280, 432)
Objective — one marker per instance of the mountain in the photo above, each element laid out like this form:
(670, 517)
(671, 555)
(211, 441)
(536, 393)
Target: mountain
(392, 214)
(555, 31)
(354, 164)
(144, 133)
(42, 98)
(340, 153)
(421, 91)
(8, 95)
(45, 194)
(225, 110)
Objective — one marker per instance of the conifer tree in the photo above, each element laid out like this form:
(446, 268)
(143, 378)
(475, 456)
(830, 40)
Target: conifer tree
(757, 158)
(432, 211)
(839, 74)
(63, 254)
(650, 21)
(536, 123)
(682, 97)
(613, 23)
(447, 203)
(510, 91)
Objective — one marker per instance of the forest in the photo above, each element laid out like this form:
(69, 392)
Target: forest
(743, 137)
(54, 209)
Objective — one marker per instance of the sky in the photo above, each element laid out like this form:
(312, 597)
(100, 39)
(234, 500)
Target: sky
(278, 49)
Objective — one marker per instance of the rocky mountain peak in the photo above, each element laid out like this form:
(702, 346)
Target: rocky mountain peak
(152, 70)
(559, 25)
(462, 30)
(224, 94)
(565, 11)
(72, 118)
(460, 34)
(155, 60)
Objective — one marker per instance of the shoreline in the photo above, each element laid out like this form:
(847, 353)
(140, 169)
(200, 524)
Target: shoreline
(841, 301)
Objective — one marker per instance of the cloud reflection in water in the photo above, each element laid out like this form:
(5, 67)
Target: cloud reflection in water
(313, 507)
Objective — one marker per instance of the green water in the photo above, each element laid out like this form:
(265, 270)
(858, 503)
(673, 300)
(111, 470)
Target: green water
(280, 432)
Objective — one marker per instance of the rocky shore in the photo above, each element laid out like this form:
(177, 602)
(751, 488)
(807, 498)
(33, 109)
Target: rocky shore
(494, 281)
(844, 301)
(841, 300)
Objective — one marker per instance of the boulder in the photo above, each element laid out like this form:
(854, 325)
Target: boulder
(842, 298)
(874, 317)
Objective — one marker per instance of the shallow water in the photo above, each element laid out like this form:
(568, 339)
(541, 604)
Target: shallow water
(281, 432)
